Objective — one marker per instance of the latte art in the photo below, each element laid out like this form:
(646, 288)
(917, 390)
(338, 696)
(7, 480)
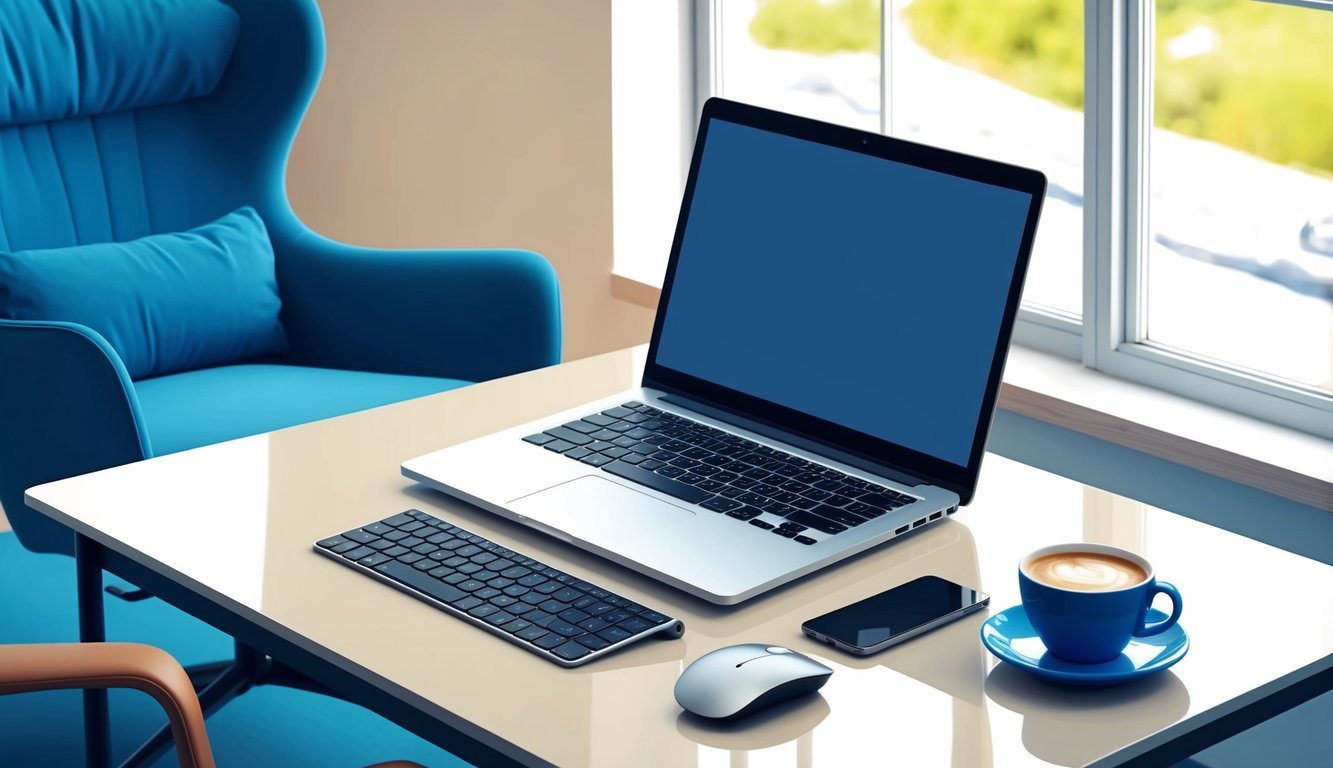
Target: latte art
(1085, 571)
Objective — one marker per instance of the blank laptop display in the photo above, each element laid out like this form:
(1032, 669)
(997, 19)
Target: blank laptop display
(822, 373)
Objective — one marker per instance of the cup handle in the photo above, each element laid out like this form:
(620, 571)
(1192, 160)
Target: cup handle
(1167, 588)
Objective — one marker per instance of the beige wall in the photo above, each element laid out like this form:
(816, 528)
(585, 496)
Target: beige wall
(472, 123)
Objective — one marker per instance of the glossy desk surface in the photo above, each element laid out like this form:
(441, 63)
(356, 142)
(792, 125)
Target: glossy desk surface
(235, 522)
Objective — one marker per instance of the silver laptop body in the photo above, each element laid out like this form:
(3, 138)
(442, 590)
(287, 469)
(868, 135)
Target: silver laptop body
(893, 270)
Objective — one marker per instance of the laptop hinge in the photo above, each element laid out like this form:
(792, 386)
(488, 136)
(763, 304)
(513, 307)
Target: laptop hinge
(896, 475)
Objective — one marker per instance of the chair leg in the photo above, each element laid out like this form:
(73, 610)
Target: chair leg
(92, 629)
(203, 675)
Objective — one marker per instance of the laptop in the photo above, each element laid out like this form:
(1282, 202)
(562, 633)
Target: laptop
(822, 373)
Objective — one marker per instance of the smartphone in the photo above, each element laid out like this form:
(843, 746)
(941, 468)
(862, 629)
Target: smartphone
(893, 616)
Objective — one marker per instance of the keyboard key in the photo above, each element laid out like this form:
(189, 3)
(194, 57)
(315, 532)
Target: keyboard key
(838, 515)
(551, 640)
(559, 446)
(563, 627)
(745, 513)
(483, 610)
(568, 595)
(598, 608)
(498, 618)
(533, 632)
(805, 540)
(784, 532)
(594, 625)
(582, 427)
(379, 529)
(468, 603)
(398, 520)
(655, 481)
(614, 634)
(815, 521)
(653, 617)
(572, 615)
(721, 504)
(374, 560)
(568, 435)
(634, 625)
(592, 641)
(570, 651)
(517, 625)
(359, 536)
(359, 553)
(762, 524)
(598, 460)
(332, 542)
(346, 546)
(578, 454)
(472, 585)
(541, 438)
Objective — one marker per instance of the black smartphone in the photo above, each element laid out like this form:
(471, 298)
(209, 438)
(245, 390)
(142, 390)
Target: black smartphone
(898, 614)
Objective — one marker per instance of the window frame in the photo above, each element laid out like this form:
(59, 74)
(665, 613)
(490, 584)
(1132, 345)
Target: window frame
(1110, 337)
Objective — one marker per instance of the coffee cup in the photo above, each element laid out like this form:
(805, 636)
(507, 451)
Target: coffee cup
(1087, 601)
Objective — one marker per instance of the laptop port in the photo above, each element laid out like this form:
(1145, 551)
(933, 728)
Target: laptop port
(937, 516)
(901, 531)
(919, 523)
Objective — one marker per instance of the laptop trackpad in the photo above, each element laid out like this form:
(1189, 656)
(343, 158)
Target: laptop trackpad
(599, 511)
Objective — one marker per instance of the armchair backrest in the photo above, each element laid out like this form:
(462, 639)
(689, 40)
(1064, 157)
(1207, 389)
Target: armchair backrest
(93, 149)
(97, 150)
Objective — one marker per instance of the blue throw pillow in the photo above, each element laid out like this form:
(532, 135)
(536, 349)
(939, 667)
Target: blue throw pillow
(165, 303)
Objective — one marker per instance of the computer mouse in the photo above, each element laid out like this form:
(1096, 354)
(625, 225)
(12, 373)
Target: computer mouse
(742, 679)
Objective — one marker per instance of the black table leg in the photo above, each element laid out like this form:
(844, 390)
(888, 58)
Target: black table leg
(92, 629)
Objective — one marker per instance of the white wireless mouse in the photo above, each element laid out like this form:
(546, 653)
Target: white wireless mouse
(738, 680)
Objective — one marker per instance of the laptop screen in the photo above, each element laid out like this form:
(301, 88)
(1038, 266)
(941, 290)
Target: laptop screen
(858, 290)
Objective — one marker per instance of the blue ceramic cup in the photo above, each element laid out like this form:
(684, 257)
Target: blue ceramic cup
(1086, 610)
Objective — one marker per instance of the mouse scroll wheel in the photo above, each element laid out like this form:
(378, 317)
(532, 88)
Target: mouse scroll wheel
(777, 649)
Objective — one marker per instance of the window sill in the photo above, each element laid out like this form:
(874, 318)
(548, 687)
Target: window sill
(1284, 462)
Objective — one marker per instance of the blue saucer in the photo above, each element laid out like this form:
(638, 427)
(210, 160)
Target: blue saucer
(1010, 636)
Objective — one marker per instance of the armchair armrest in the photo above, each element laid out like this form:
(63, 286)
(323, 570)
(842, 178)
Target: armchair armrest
(67, 407)
(50, 666)
(461, 314)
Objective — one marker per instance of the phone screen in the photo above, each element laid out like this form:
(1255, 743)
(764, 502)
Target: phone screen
(899, 610)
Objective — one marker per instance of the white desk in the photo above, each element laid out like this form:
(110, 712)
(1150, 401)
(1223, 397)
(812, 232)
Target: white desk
(225, 532)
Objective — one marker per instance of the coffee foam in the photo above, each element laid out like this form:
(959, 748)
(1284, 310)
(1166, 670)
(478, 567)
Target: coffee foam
(1086, 571)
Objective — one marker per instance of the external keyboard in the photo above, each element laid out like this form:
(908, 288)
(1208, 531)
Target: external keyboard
(720, 472)
(543, 609)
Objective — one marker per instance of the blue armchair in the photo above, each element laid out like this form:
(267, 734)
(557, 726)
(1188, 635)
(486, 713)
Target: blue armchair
(365, 327)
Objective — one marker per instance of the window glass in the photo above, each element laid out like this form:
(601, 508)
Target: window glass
(1240, 251)
(1002, 79)
(817, 58)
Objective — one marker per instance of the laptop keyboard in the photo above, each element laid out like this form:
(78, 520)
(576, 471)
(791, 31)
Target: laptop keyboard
(549, 612)
(721, 472)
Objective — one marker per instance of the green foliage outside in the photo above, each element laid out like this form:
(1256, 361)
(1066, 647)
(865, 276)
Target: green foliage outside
(815, 26)
(1265, 87)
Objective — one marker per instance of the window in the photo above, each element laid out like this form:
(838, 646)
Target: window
(1187, 237)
